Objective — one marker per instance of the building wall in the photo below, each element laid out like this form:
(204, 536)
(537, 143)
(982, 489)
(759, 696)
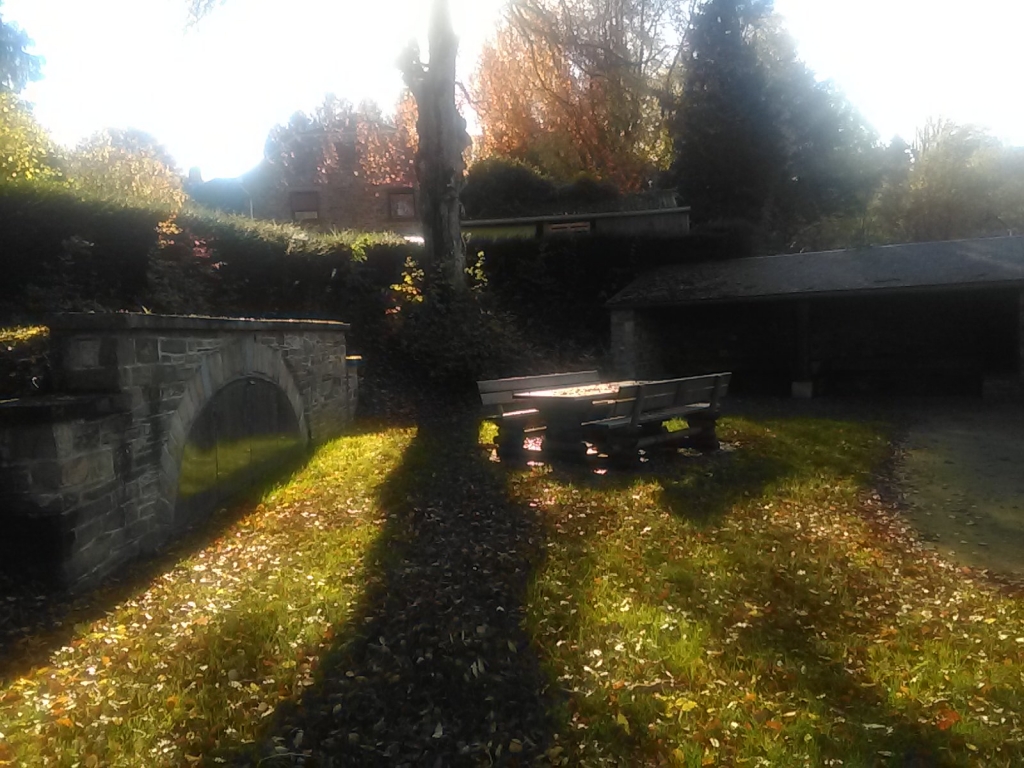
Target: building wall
(346, 201)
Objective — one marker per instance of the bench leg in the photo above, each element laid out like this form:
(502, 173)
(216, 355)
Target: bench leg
(705, 439)
(656, 434)
(622, 449)
(563, 438)
(510, 442)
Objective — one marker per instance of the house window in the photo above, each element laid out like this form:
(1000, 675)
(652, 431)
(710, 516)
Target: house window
(348, 155)
(305, 206)
(402, 204)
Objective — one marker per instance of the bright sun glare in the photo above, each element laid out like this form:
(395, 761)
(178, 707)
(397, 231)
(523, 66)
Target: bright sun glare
(211, 93)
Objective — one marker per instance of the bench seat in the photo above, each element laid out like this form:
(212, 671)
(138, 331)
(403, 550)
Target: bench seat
(666, 414)
(637, 423)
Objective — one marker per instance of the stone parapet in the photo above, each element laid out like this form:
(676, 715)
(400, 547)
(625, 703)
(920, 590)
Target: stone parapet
(90, 478)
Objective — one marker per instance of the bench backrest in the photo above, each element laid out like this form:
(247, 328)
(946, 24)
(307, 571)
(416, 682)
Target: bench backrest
(676, 393)
(496, 394)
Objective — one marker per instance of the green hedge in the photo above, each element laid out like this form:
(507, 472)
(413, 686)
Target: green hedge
(63, 252)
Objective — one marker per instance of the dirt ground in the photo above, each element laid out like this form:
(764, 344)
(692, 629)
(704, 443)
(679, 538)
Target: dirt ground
(962, 472)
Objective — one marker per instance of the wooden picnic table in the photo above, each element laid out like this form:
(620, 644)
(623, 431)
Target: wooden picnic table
(565, 409)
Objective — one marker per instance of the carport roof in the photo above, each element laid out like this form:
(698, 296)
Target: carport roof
(986, 262)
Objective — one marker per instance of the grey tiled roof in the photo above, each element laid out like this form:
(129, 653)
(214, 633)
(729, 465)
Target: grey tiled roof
(980, 262)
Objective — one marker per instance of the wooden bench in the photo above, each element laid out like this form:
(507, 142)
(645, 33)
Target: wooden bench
(638, 420)
(513, 418)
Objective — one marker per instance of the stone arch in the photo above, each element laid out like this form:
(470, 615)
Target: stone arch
(246, 359)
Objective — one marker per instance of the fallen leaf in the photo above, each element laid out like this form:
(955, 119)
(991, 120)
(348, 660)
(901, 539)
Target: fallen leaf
(621, 720)
(947, 718)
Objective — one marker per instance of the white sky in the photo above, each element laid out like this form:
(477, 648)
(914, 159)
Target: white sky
(212, 93)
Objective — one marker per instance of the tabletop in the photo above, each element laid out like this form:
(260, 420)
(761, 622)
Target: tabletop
(583, 392)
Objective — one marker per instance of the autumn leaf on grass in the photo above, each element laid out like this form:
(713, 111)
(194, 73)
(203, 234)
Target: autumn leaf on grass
(685, 705)
(621, 720)
(947, 718)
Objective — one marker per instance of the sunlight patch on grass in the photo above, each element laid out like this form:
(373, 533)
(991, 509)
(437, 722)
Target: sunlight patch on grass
(765, 607)
(198, 662)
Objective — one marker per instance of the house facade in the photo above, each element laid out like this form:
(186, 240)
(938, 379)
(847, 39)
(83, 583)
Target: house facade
(345, 171)
(341, 202)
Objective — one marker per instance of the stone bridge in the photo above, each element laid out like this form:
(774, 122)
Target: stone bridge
(158, 420)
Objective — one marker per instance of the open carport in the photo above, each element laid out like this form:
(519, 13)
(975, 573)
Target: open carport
(945, 317)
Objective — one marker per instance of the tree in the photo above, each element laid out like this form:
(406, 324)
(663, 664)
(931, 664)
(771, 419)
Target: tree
(440, 163)
(728, 145)
(956, 186)
(26, 150)
(575, 87)
(341, 139)
(833, 161)
(956, 181)
(17, 66)
(127, 166)
(756, 137)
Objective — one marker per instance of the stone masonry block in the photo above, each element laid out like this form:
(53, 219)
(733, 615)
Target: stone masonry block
(125, 350)
(84, 436)
(147, 350)
(82, 353)
(90, 468)
(174, 346)
(215, 363)
(35, 441)
(178, 361)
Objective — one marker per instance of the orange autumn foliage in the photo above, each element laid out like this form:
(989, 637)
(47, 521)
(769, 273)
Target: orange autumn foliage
(544, 97)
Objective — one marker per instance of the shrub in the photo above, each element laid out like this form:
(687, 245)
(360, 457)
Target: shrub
(497, 188)
(26, 151)
(126, 166)
(66, 251)
(500, 188)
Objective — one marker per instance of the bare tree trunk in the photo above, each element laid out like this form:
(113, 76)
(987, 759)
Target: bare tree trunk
(440, 166)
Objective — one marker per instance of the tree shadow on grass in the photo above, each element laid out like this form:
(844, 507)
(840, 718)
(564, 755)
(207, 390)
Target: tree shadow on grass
(434, 668)
(699, 487)
(789, 650)
(36, 620)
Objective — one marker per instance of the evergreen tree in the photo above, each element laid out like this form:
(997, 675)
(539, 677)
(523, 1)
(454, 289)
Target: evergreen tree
(18, 67)
(727, 143)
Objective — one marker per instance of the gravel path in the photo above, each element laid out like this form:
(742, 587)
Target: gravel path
(962, 470)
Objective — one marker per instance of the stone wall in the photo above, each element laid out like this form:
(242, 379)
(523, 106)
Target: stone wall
(90, 477)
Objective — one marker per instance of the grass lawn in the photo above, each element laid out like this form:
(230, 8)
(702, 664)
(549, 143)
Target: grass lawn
(404, 600)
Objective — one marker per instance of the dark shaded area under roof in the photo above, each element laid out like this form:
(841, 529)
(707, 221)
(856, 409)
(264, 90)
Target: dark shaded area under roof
(984, 262)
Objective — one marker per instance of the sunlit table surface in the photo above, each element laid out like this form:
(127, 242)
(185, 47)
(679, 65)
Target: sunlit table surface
(582, 392)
